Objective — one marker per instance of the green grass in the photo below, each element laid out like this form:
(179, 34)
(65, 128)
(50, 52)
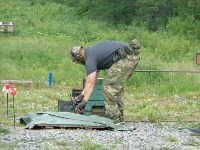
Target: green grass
(195, 134)
(4, 130)
(193, 142)
(5, 146)
(44, 34)
(154, 108)
(171, 139)
(89, 145)
(165, 148)
(138, 106)
(62, 145)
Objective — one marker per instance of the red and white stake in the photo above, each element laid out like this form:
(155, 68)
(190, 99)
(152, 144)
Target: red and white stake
(12, 90)
(6, 90)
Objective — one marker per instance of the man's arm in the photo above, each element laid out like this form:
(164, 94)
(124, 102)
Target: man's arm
(89, 85)
(97, 74)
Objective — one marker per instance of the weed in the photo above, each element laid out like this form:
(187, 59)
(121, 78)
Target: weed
(192, 142)
(118, 140)
(7, 146)
(171, 139)
(4, 130)
(165, 148)
(195, 134)
(153, 117)
(63, 144)
(89, 145)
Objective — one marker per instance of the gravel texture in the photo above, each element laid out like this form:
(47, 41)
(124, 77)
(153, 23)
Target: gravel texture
(147, 136)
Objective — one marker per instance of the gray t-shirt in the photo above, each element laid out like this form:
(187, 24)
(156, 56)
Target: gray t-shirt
(100, 55)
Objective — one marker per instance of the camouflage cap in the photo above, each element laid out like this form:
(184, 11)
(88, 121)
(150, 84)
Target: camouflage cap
(75, 54)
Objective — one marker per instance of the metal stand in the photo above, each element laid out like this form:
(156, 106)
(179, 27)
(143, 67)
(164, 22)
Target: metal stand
(7, 106)
(14, 111)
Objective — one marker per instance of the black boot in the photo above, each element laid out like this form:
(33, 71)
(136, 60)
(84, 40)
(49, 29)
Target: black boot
(121, 117)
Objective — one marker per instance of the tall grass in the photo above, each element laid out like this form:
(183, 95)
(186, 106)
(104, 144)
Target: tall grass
(45, 32)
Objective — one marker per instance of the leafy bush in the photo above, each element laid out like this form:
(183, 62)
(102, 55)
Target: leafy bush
(188, 27)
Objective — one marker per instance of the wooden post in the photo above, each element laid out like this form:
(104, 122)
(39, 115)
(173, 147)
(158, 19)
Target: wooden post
(15, 82)
(198, 58)
(10, 27)
(1, 27)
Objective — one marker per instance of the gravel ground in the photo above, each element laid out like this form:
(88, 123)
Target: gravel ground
(161, 136)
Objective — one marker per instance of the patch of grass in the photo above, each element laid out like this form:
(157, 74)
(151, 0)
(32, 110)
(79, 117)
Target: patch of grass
(85, 144)
(4, 130)
(118, 140)
(165, 148)
(192, 142)
(62, 143)
(162, 148)
(195, 134)
(138, 107)
(171, 139)
(152, 107)
(7, 146)
(194, 125)
(154, 117)
(89, 145)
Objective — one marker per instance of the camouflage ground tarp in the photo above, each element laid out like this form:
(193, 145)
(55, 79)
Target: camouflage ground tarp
(68, 120)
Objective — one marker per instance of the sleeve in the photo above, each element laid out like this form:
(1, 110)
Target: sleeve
(91, 65)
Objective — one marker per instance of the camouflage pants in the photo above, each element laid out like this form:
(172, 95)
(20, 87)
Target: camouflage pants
(113, 85)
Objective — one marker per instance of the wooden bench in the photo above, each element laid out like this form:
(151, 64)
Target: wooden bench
(6, 27)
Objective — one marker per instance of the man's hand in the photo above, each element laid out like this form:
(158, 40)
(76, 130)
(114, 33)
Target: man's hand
(77, 99)
(79, 108)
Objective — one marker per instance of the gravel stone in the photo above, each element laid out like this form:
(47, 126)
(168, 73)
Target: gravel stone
(147, 136)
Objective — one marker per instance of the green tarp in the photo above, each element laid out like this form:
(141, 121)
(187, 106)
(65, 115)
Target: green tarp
(68, 120)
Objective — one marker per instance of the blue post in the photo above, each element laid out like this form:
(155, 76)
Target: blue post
(50, 79)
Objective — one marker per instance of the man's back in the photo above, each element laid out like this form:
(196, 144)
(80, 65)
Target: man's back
(100, 55)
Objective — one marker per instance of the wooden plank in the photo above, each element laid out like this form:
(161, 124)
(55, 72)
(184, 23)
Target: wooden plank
(15, 82)
(69, 126)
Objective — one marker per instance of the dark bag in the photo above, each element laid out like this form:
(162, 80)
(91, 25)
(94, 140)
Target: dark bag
(133, 48)
(119, 54)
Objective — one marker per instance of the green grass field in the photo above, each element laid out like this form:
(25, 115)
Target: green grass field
(43, 36)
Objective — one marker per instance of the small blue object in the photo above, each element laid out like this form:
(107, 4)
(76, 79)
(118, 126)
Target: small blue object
(50, 79)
